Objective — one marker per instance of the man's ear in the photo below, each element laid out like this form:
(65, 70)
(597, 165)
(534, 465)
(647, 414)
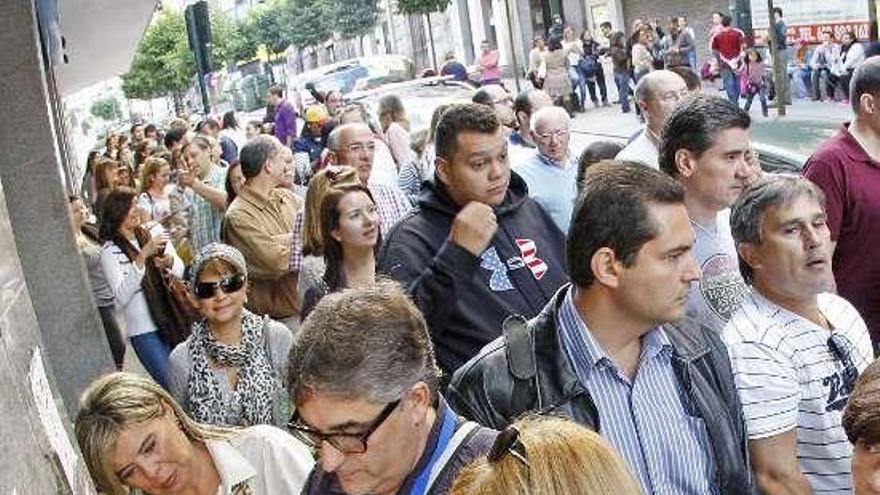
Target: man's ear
(332, 158)
(443, 169)
(606, 267)
(418, 401)
(868, 104)
(749, 254)
(684, 163)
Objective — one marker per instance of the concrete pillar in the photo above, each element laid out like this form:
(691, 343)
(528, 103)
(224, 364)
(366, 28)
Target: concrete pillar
(31, 171)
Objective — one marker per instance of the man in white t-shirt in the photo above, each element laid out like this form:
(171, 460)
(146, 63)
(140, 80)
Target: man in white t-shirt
(795, 349)
(705, 146)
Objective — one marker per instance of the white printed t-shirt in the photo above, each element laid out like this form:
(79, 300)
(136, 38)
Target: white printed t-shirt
(788, 378)
(717, 294)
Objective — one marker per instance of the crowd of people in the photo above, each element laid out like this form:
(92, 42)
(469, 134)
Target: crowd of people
(481, 308)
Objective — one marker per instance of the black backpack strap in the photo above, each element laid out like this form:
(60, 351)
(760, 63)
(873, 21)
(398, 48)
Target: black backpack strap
(521, 362)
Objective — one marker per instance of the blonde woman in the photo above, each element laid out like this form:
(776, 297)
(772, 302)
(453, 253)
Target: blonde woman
(135, 437)
(153, 193)
(548, 456)
(395, 125)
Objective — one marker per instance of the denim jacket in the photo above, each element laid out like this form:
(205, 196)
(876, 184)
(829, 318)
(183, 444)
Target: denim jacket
(526, 370)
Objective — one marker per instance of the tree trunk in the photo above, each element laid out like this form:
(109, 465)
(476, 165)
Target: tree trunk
(779, 70)
(431, 37)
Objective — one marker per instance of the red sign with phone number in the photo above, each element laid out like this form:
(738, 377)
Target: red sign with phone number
(812, 32)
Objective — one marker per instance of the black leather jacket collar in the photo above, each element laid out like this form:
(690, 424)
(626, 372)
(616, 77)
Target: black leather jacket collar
(526, 370)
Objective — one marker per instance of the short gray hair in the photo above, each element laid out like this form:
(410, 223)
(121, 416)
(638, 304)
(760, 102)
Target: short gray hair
(334, 140)
(369, 343)
(548, 112)
(747, 212)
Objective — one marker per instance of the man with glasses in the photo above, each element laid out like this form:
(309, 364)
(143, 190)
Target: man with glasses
(796, 349)
(354, 145)
(657, 94)
(706, 147)
(551, 174)
(365, 386)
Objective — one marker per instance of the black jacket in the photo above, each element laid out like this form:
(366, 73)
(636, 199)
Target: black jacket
(526, 370)
(465, 298)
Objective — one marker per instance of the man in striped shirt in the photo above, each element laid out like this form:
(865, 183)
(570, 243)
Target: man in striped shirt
(795, 348)
(614, 350)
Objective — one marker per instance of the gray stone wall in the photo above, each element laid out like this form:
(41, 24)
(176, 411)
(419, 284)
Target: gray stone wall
(699, 16)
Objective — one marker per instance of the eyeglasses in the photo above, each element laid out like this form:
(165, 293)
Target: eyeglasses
(347, 443)
(840, 349)
(230, 284)
(673, 95)
(559, 134)
(361, 147)
(507, 442)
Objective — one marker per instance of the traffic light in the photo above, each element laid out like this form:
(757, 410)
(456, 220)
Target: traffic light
(198, 28)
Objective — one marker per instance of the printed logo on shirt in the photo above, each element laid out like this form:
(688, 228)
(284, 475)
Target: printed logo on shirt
(499, 281)
(838, 391)
(721, 285)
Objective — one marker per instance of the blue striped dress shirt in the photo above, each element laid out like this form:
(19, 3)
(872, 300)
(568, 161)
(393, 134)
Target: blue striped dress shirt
(646, 418)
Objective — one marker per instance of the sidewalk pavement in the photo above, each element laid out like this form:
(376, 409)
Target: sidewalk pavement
(805, 126)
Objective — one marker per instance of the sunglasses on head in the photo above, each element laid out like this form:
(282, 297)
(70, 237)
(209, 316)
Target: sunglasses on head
(228, 284)
(507, 442)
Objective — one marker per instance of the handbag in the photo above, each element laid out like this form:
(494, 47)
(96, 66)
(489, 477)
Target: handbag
(167, 298)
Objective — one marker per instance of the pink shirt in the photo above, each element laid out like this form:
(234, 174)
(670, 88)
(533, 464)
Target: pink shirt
(488, 63)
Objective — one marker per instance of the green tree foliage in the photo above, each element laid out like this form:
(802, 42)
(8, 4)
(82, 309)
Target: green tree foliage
(268, 24)
(163, 64)
(311, 22)
(106, 108)
(419, 7)
(228, 43)
(354, 18)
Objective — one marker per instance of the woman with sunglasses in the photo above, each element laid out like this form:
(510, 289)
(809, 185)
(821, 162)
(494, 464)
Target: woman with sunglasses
(232, 369)
(550, 456)
(350, 235)
(136, 439)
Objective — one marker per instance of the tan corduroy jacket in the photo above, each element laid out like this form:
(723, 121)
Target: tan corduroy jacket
(255, 224)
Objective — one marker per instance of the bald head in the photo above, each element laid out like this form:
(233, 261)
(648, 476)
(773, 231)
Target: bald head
(657, 94)
(353, 145)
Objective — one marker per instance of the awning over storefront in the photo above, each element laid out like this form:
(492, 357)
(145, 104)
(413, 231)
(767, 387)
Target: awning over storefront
(101, 38)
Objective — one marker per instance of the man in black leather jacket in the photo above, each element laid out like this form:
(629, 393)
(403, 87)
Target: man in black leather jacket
(614, 351)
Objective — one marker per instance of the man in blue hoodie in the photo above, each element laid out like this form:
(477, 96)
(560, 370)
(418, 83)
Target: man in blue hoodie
(477, 249)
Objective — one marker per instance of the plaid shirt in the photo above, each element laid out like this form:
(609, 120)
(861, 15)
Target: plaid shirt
(205, 220)
(393, 205)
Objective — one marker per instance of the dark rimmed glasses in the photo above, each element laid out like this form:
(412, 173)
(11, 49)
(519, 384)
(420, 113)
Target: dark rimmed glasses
(228, 284)
(507, 442)
(347, 443)
(840, 348)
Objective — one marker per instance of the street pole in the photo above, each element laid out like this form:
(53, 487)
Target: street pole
(512, 46)
(779, 75)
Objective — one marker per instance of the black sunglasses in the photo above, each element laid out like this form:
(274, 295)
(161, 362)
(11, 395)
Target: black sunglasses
(229, 284)
(347, 443)
(840, 348)
(507, 442)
